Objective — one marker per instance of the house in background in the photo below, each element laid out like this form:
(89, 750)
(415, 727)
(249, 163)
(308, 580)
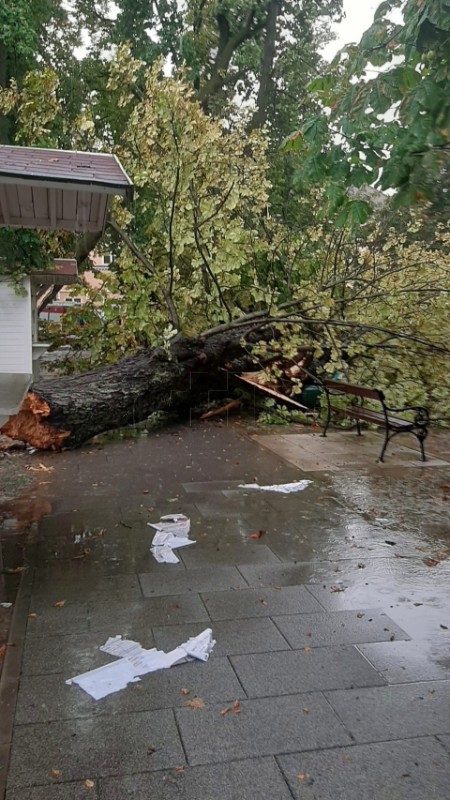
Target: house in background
(49, 190)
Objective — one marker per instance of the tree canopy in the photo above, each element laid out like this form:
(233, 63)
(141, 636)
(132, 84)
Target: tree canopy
(227, 230)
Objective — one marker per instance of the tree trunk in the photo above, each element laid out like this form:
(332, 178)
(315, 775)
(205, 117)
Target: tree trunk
(68, 411)
(265, 75)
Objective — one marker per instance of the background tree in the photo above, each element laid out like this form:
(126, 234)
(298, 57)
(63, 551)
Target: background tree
(385, 108)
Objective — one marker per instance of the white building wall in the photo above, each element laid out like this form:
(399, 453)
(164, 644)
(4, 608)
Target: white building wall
(15, 330)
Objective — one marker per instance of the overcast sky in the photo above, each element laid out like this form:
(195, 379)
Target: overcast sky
(358, 17)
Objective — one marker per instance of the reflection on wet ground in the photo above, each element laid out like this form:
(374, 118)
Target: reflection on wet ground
(359, 561)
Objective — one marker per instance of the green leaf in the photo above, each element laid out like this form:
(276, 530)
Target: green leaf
(315, 129)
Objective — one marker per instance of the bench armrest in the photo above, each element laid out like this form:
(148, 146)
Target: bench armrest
(422, 415)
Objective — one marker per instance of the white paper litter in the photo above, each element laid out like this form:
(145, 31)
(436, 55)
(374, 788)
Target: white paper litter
(171, 533)
(5, 605)
(135, 661)
(101, 682)
(284, 488)
(177, 524)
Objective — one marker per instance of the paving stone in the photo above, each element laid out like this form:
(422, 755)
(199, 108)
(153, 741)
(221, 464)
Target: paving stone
(256, 635)
(121, 617)
(337, 628)
(264, 727)
(363, 595)
(394, 712)
(197, 487)
(64, 791)
(237, 780)
(71, 654)
(401, 662)
(47, 698)
(89, 748)
(260, 603)
(73, 618)
(114, 587)
(212, 506)
(191, 580)
(348, 571)
(208, 553)
(289, 672)
(416, 769)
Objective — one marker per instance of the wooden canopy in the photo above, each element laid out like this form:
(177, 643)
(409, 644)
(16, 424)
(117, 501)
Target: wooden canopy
(58, 189)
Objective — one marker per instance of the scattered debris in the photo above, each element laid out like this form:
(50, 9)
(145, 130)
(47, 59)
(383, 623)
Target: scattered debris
(185, 692)
(256, 535)
(2, 650)
(360, 615)
(171, 533)
(5, 605)
(56, 773)
(390, 543)
(180, 769)
(89, 784)
(197, 702)
(283, 488)
(233, 405)
(431, 562)
(33, 615)
(306, 649)
(134, 661)
(40, 468)
(444, 627)
(234, 709)
(60, 604)
(337, 589)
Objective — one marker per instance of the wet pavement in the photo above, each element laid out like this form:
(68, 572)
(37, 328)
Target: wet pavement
(332, 628)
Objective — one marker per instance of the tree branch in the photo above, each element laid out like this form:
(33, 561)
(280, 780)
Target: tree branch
(146, 263)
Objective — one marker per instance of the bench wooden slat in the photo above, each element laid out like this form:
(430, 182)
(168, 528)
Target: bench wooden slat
(357, 391)
(375, 417)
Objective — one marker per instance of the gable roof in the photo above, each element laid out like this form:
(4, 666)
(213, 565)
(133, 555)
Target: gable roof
(58, 189)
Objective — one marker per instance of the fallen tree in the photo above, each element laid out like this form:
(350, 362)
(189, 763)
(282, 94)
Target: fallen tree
(65, 412)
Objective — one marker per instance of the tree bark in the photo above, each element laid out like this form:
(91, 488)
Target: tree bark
(68, 411)
(267, 61)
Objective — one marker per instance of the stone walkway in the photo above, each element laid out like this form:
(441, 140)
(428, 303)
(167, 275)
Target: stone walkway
(332, 629)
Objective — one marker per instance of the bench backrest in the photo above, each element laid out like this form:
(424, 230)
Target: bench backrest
(358, 391)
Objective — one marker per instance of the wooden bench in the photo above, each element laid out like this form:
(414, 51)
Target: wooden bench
(387, 417)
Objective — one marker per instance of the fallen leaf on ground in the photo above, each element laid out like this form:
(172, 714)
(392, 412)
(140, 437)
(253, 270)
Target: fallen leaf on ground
(84, 553)
(235, 708)
(33, 615)
(151, 750)
(263, 602)
(40, 468)
(278, 588)
(185, 692)
(56, 773)
(256, 535)
(197, 702)
(422, 549)
(360, 615)
(391, 543)
(306, 649)
(431, 562)
(303, 776)
(180, 769)
(2, 650)
(337, 589)
(444, 627)
(89, 784)
(60, 604)
(306, 710)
